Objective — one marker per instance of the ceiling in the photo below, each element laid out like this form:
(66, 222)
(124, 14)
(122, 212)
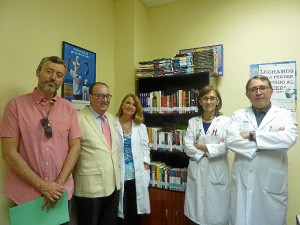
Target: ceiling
(154, 3)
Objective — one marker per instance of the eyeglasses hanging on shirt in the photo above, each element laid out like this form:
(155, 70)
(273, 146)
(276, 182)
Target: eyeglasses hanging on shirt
(47, 128)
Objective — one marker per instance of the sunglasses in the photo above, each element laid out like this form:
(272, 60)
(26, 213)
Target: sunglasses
(47, 128)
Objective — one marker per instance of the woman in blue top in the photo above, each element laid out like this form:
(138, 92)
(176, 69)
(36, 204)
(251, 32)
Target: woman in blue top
(134, 156)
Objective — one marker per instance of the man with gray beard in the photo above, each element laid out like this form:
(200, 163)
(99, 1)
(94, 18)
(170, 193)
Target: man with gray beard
(40, 139)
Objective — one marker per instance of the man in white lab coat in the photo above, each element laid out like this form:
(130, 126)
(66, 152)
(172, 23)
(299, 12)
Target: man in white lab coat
(260, 136)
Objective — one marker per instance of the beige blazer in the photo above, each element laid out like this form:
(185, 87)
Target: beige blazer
(97, 172)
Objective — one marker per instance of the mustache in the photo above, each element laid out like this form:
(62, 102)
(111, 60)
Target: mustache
(51, 82)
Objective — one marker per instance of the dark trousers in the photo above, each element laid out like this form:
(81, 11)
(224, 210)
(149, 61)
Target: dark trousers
(98, 211)
(131, 216)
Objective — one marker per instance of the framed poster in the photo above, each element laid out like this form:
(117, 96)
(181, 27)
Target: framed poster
(283, 79)
(81, 73)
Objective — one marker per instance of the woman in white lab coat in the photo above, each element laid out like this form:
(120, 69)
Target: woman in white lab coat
(134, 156)
(207, 197)
(260, 136)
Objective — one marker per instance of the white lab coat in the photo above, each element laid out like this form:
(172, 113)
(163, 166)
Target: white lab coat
(141, 153)
(207, 196)
(260, 169)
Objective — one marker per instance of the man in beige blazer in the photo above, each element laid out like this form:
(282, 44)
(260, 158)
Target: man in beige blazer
(96, 175)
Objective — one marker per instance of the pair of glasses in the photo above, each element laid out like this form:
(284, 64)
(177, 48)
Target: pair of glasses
(211, 98)
(102, 96)
(47, 128)
(262, 88)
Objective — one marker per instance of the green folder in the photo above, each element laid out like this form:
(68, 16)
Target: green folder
(32, 213)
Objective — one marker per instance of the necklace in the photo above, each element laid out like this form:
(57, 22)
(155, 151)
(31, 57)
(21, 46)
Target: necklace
(208, 119)
(126, 126)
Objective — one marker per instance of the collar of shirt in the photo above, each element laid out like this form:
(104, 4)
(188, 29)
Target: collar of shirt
(259, 115)
(97, 116)
(40, 99)
(263, 111)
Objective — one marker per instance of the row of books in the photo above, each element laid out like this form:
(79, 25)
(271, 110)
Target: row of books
(182, 101)
(207, 59)
(163, 67)
(146, 69)
(162, 140)
(183, 63)
(193, 60)
(180, 64)
(166, 177)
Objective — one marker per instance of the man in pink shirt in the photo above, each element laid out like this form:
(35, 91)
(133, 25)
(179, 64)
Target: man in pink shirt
(40, 138)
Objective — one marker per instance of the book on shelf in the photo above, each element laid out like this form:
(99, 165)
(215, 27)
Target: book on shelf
(166, 177)
(179, 97)
(154, 103)
(169, 104)
(146, 69)
(163, 104)
(153, 136)
(178, 177)
(153, 172)
(167, 138)
(150, 102)
(181, 101)
(156, 177)
(193, 100)
(177, 139)
(164, 140)
(187, 101)
(159, 174)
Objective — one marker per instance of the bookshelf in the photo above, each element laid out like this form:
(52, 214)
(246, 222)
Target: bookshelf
(172, 116)
(167, 206)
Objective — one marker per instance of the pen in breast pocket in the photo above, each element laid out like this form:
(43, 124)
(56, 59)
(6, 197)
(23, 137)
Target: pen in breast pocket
(214, 132)
(270, 129)
(198, 134)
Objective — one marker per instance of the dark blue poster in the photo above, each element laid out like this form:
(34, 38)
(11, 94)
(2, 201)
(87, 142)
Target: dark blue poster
(81, 72)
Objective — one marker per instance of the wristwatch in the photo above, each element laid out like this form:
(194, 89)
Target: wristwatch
(251, 135)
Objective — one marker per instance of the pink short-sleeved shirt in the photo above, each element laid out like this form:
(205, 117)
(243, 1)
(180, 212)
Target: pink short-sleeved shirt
(46, 156)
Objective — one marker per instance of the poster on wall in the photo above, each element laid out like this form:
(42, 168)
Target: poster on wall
(283, 79)
(81, 74)
(207, 59)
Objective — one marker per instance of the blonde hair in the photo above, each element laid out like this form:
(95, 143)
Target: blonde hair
(138, 117)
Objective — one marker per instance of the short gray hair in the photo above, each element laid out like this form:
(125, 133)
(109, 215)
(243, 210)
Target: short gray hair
(54, 59)
(260, 77)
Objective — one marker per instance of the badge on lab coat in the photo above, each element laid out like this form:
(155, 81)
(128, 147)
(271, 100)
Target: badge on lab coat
(244, 125)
